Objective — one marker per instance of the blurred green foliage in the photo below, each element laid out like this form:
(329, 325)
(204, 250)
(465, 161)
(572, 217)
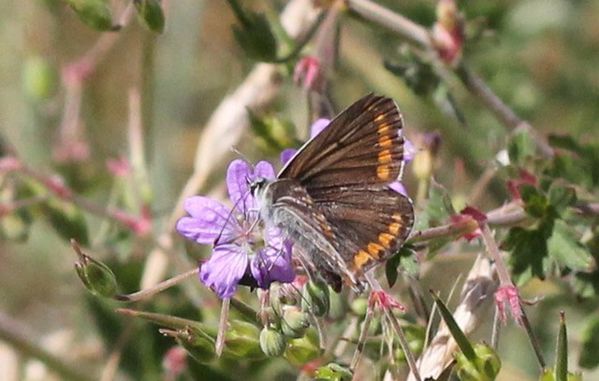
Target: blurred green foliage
(540, 56)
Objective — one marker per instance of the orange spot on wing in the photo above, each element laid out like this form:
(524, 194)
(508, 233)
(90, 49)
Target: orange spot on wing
(383, 172)
(375, 249)
(385, 156)
(361, 258)
(384, 129)
(385, 239)
(385, 142)
(394, 228)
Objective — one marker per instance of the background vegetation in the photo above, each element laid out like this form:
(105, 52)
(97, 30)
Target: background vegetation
(136, 118)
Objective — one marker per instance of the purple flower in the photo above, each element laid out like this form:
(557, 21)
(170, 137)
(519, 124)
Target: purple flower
(244, 252)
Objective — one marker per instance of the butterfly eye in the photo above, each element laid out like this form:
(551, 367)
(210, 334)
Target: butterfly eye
(256, 184)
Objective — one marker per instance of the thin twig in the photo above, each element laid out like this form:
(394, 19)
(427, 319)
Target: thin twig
(144, 294)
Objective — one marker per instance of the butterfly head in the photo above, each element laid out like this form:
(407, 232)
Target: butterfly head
(257, 185)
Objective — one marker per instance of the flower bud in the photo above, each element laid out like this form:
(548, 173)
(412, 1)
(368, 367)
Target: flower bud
(294, 322)
(96, 276)
(198, 345)
(95, 13)
(359, 306)
(272, 342)
(304, 349)
(39, 79)
(486, 365)
(316, 298)
(243, 340)
(150, 11)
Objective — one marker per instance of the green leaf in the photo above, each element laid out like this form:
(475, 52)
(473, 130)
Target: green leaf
(566, 142)
(150, 12)
(15, 226)
(566, 250)
(333, 372)
(418, 75)
(535, 203)
(439, 206)
(528, 249)
(274, 133)
(561, 197)
(254, 34)
(561, 351)
(578, 164)
(405, 258)
(521, 147)
(94, 13)
(590, 344)
(457, 334)
(67, 220)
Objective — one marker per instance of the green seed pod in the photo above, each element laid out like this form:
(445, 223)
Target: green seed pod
(39, 79)
(316, 298)
(304, 349)
(337, 306)
(294, 322)
(96, 276)
(196, 344)
(272, 342)
(359, 306)
(243, 340)
(94, 13)
(150, 12)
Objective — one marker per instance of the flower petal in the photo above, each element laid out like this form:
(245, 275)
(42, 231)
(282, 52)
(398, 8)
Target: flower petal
(264, 170)
(409, 151)
(224, 269)
(287, 154)
(273, 265)
(239, 173)
(319, 125)
(399, 188)
(209, 220)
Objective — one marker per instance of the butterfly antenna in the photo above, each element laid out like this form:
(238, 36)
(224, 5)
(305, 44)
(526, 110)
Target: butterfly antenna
(238, 152)
(235, 206)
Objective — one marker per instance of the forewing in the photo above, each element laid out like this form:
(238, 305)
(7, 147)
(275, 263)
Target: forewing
(369, 223)
(362, 145)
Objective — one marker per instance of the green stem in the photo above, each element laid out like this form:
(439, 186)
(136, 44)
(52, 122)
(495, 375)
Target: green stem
(12, 333)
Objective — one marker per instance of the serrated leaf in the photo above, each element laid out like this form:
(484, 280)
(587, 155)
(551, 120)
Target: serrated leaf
(590, 344)
(150, 12)
(405, 258)
(528, 249)
(94, 13)
(561, 197)
(535, 203)
(439, 206)
(566, 250)
(520, 147)
(67, 220)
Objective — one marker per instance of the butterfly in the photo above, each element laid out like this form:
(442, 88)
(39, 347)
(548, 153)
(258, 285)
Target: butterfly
(333, 198)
